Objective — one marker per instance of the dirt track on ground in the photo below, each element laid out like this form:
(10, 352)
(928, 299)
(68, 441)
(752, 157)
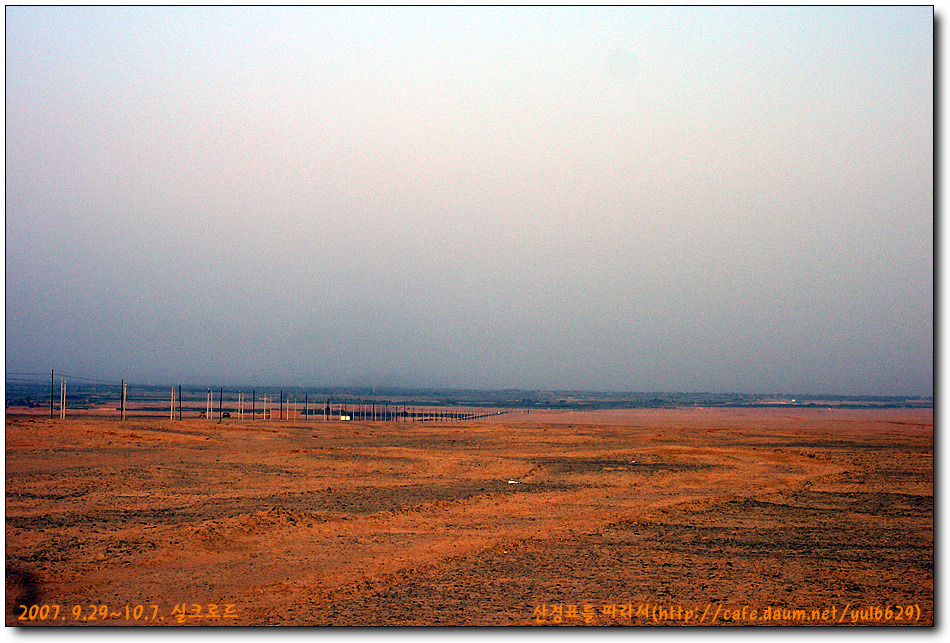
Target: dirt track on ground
(522, 520)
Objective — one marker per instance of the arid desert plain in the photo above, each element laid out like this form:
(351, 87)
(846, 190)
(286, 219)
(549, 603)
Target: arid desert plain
(724, 517)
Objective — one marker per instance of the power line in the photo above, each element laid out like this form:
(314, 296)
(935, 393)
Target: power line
(21, 376)
(85, 379)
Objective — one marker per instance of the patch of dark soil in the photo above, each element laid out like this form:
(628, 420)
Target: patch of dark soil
(21, 495)
(569, 465)
(115, 518)
(853, 446)
(372, 499)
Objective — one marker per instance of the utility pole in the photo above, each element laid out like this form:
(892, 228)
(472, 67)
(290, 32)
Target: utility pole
(253, 404)
(52, 391)
(220, 402)
(179, 402)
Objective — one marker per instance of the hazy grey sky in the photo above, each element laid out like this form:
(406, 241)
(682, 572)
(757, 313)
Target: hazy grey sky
(689, 199)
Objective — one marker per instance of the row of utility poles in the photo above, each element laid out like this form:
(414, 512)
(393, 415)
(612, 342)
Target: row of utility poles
(368, 412)
(287, 410)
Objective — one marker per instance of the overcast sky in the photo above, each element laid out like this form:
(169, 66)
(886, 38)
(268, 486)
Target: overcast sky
(633, 199)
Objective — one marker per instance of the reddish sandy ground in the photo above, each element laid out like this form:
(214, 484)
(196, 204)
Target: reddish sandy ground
(695, 516)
